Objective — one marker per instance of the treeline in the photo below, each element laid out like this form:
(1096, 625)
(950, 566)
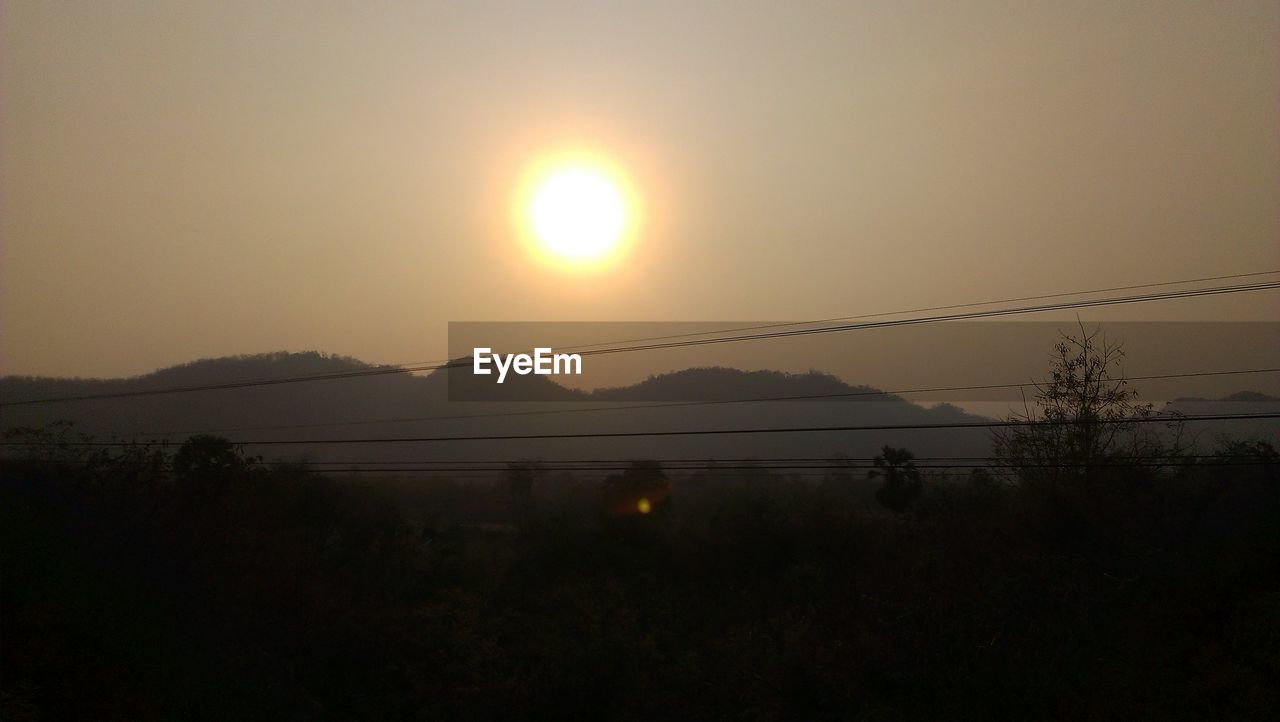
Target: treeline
(201, 585)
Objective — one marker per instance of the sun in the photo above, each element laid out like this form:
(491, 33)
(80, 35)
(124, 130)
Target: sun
(577, 212)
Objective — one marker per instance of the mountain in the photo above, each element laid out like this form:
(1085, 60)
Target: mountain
(718, 383)
(1237, 397)
(1241, 402)
(367, 401)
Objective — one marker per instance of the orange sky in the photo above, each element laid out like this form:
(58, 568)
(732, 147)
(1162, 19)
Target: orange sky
(181, 181)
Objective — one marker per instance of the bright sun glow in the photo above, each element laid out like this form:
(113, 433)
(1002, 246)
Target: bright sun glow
(577, 212)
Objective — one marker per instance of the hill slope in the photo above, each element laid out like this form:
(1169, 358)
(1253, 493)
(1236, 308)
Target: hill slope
(397, 405)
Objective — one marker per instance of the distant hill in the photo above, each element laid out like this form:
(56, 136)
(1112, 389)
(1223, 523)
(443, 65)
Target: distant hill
(269, 404)
(380, 403)
(392, 390)
(203, 372)
(1241, 402)
(718, 383)
(1239, 396)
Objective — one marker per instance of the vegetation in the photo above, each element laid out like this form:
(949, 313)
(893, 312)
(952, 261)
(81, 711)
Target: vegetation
(1136, 580)
(902, 483)
(1088, 418)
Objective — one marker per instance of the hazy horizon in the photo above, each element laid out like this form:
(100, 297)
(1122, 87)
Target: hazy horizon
(181, 182)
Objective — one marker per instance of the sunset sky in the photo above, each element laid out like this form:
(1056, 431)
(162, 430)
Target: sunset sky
(179, 182)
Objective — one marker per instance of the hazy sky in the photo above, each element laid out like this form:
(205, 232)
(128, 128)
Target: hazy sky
(184, 180)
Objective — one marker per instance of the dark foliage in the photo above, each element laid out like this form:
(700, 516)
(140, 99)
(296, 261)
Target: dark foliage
(132, 592)
(902, 484)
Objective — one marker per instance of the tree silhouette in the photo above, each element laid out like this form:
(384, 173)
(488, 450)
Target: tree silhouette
(208, 464)
(55, 442)
(518, 484)
(902, 484)
(1084, 417)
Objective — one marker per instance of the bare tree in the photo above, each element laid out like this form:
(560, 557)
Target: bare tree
(1085, 416)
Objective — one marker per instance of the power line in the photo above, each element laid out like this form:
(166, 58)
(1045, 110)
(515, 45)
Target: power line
(927, 463)
(789, 462)
(699, 432)
(1141, 298)
(828, 466)
(925, 309)
(749, 465)
(623, 463)
(827, 469)
(712, 402)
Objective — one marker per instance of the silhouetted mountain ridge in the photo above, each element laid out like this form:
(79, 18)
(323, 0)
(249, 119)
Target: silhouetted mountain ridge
(717, 383)
(713, 383)
(407, 405)
(224, 369)
(1239, 396)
